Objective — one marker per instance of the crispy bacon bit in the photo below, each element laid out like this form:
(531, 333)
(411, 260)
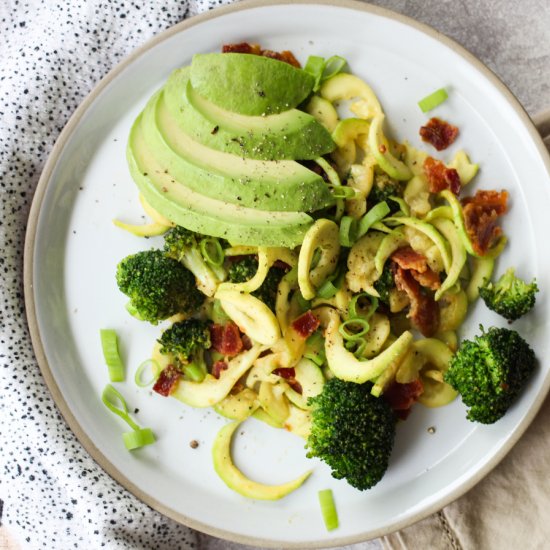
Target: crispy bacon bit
(289, 374)
(428, 279)
(401, 397)
(407, 258)
(424, 311)
(218, 367)
(306, 324)
(226, 339)
(244, 47)
(247, 342)
(167, 381)
(480, 218)
(416, 263)
(438, 133)
(440, 177)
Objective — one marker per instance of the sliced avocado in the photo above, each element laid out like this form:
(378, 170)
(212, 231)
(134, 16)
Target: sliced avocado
(249, 84)
(264, 185)
(292, 134)
(236, 480)
(183, 206)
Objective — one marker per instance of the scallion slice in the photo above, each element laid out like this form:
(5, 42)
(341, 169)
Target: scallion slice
(377, 213)
(348, 231)
(212, 251)
(355, 313)
(109, 344)
(346, 331)
(138, 437)
(433, 100)
(333, 66)
(315, 66)
(328, 509)
(152, 368)
(327, 290)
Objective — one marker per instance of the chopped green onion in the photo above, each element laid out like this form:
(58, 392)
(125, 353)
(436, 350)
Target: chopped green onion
(328, 509)
(315, 349)
(333, 66)
(138, 438)
(348, 231)
(377, 213)
(353, 313)
(327, 290)
(343, 192)
(153, 369)
(331, 173)
(358, 321)
(315, 66)
(433, 100)
(109, 344)
(212, 251)
(114, 401)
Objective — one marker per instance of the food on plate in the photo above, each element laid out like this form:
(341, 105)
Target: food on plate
(490, 372)
(314, 273)
(509, 296)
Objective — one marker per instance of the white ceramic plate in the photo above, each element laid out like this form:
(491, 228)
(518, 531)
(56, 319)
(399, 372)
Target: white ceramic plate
(73, 248)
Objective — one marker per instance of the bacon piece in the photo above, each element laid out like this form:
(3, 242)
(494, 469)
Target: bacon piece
(242, 47)
(427, 279)
(438, 133)
(254, 49)
(167, 381)
(226, 339)
(416, 263)
(289, 374)
(424, 311)
(440, 177)
(401, 397)
(218, 367)
(480, 218)
(407, 258)
(306, 324)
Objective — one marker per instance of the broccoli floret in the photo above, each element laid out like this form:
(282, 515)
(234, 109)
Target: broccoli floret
(385, 283)
(509, 296)
(490, 372)
(245, 267)
(158, 286)
(352, 431)
(184, 245)
(186, 341)
(383, 188)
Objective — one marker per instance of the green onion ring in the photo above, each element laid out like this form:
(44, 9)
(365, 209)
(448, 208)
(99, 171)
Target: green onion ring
(212, 251)
(154, 369)
(343, 328)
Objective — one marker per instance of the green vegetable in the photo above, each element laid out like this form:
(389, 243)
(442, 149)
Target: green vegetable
(158, 286)
(186, 341)
(385, 188)
(203, 257)
(154, 370)
(139, 437)
(490, 372)
(385, 283)
(510, 296)
(433, 100)
(352, 431)
(321, 69)
(109, 345)
(328, 509)
(245, 268)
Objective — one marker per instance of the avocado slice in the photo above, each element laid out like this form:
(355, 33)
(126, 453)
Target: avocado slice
(197, 212)
(236, 480)
(266, 86)
(290, 135)
(265, 185)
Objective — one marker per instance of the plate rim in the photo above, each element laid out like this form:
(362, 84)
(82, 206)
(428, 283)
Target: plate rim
(29, 252)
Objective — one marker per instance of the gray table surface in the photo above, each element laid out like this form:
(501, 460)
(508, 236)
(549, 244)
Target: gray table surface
(513, 39)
